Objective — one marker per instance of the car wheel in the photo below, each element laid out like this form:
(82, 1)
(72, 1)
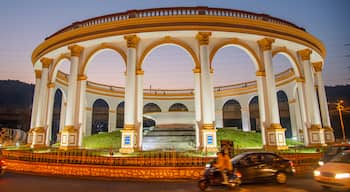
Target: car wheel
(281, 177)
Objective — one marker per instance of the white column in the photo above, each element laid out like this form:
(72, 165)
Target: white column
(82, 105)
(39, 132)
(329, 135)
(208, 129)
(275, 132)
(303, 113)
(298, 119)
(292, 115)
(62, 118)
(111, 120)
(88, 122)
(139, 101)
(316, 133)
(35, 105)
(51, 98)
(245, 118)
(197, 105)
(260, 81)
(212, 96)
(70, 133)
(129, 135)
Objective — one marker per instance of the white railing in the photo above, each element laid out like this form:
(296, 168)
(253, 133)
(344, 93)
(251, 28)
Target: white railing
(175, 11)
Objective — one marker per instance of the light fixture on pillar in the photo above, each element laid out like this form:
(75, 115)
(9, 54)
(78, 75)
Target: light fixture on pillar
(340, 108)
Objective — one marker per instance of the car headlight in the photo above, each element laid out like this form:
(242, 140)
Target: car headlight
(320, 163)
(342, 175)
(207, 165)
(317, 173)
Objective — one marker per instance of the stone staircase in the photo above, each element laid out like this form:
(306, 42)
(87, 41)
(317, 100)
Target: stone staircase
(180, 137)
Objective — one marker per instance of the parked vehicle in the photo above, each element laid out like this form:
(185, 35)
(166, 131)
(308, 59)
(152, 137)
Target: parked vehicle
(2, 166)
(335, 173)
(262, 166)
(213, 177)
(332, 151)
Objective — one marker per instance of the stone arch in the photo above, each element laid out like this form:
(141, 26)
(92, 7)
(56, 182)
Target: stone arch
(54, 69)
(240, 44)
(231, 114)
(120, 115)
(254, 113)
(99, 49)
(151, 108)
(170, 41)
(178, 107)
(284, 111)
(100, 116)
(285, 52)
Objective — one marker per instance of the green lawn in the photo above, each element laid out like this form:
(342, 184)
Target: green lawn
(103, 140)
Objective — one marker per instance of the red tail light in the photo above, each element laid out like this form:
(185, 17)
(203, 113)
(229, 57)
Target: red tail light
(291, 163)
(238, 174)
(2, 162)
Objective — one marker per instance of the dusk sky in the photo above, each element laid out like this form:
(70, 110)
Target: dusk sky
(26, 23)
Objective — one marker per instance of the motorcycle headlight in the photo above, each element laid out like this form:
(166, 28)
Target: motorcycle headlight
(317, 173)
(207, 165)
(342, 175)
(320, 163)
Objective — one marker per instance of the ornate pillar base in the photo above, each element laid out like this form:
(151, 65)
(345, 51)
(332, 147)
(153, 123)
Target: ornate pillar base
(128, 141)
(69, 138)
(328, 135)
(275, 138)
(30, 137)
(209, 138)
(316, 135)
(38, 137)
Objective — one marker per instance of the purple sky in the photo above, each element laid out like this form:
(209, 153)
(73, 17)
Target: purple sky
(25, 24)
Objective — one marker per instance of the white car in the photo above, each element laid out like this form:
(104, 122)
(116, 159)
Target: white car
(335, 173)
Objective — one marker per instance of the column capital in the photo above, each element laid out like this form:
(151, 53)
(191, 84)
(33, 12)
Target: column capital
(305, 54)
(211, 70)
(37, 73)
(266, 43)
(131, 40)
(75, 50)
(318, 66)
(292, 101)
(82, 77)
(140, 72)
(51, 85)
(300, 79)
(46, 62)
(260, 73)
(196, 70)
(203, 37)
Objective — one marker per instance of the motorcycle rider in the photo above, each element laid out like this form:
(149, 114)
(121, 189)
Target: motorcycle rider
(223, 164)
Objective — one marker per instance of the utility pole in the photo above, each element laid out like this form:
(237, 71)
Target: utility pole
(340, 108)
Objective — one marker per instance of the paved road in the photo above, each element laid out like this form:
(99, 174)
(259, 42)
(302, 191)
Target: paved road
(11, 182)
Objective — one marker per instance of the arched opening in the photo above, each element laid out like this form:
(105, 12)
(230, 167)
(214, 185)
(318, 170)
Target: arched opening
(178, 107)
(56, 116)
(254, 114)
(100, 114)
(231, 114)
(281, 63)
(120, 115)
(283, 107)
(106, 66)
(151, 108)
(235, 69)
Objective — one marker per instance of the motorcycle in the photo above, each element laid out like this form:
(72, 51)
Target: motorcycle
(213, 177)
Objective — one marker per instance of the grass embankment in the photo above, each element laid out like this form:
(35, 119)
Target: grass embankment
(103, 140)
(240, 138)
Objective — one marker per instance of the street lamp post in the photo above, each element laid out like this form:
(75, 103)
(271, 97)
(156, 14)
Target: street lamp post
(340, 108)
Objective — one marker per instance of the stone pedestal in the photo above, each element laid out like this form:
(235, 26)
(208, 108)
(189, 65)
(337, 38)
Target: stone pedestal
(128, 141)
(38, 138)
(275, 138)
(329, 135)
(69, 138)
(316, 136)
(209, 140)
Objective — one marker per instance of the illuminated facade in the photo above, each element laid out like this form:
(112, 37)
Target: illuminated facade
(201, 32)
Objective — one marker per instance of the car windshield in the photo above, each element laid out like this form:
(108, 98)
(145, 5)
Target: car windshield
(237, 158)
(343, 157)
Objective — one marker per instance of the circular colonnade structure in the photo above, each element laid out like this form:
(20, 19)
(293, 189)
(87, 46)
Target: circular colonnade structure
(201, 32)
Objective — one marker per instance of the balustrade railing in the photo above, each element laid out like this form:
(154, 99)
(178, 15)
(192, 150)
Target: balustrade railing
(176, 11)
